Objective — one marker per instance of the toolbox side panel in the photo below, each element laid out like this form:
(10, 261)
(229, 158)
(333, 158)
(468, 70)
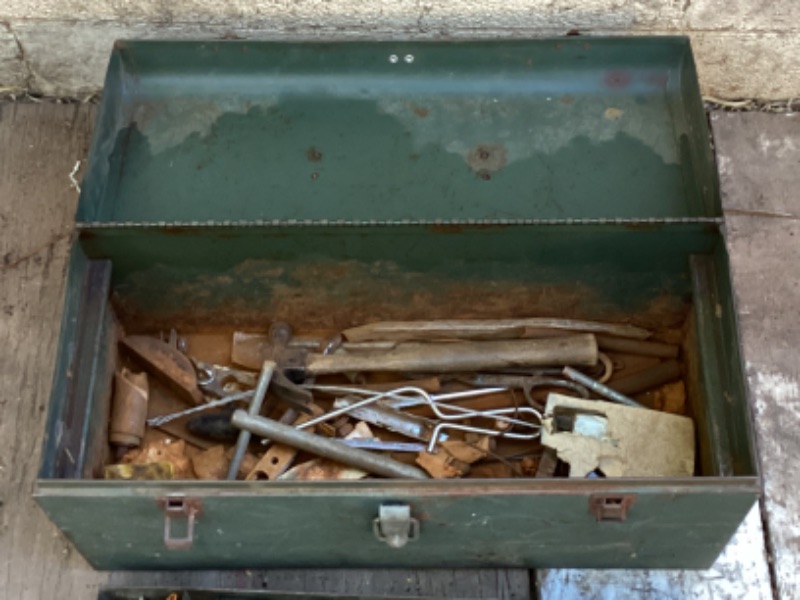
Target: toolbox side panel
(74, 444)
(720, 406)
(497, 523)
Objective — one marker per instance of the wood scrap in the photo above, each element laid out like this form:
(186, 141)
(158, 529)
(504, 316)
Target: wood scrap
(211, 464)
(155, 471)
(164, 450)
(441, 465)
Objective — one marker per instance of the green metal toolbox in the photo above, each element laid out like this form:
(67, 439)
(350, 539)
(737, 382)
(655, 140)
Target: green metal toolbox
(232, 184)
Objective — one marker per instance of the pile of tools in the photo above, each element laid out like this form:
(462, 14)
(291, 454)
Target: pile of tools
(412, 400)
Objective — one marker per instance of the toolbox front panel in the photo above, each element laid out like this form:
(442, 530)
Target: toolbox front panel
(462, 524)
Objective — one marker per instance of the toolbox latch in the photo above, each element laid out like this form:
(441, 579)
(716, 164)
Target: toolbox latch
(610, 507)
(395, 525)
(179, 507)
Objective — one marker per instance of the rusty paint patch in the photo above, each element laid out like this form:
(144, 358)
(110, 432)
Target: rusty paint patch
(329, 296)
(617, 79)
(420, 111)
(313, 154)
(566, 99)
(485, 158)
(413, 156)
(658, 80)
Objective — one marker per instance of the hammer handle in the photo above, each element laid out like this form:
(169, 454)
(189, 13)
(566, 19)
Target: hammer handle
(578, 350)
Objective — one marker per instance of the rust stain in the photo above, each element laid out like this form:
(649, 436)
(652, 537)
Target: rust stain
(313, 154)
(413, 156)
(485, 158)
(566, 99)
(617, 78)
(329, 295)
(420, 111)
(658, 80)
(446, 228)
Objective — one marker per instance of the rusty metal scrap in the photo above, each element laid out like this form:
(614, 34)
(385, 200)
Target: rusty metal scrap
(128, 408)
(166, 363)
(447, 384)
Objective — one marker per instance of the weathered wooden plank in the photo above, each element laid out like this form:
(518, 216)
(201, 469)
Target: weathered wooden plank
(505, 584)
(759, 158)
(758, 155)
(40, 144)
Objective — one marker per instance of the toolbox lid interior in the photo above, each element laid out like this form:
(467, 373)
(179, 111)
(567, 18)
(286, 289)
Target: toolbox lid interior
(549, 129)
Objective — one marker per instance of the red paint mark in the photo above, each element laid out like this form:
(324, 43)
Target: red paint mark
(617, 79)
(658, 80)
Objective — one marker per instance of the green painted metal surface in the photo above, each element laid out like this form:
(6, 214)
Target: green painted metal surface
(233, 184)
(329, 276)
(540, 129)
(678, 524)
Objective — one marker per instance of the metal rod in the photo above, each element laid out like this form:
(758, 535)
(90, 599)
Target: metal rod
(493, 432)
(426, 398)
(528, 383)
(600, 389)
(401, 401)
(380, 445)
(164, 419)
(398, 394)
(325, 447)
(412, 426)
(255, 407)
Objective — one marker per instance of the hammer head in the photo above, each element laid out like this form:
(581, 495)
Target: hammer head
(252, 349)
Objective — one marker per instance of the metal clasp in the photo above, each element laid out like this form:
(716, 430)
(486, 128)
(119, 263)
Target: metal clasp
(395, 525)
(176, 507)
(611, 507)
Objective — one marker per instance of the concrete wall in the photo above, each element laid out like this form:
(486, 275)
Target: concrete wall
(744, 48)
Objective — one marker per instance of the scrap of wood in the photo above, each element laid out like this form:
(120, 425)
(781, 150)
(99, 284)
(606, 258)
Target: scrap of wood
(321, 469)
(441, 465)
(211, 464)
(619, 440)
(171, 451)
(157, 471)
(468, 451)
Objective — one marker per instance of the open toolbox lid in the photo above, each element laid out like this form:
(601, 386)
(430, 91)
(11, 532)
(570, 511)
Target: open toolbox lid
(574, 128)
